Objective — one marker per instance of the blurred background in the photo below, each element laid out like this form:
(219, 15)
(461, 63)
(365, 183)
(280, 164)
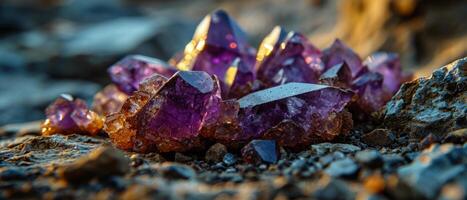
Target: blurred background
(48, 47)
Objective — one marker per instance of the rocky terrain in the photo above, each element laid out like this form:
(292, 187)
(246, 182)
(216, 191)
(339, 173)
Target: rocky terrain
(415, 149)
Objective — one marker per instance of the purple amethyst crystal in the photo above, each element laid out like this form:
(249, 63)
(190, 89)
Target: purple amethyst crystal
(238, 80)
(216, 45)
(339, 53)
(258, 151)
(123, 125)
(295, 60)
(68, 116)
(131, 70)
(377, 81)
(293, 114)
(171, 119)
(371, 93)
(269, 47)
(339, 76)
(388, 65)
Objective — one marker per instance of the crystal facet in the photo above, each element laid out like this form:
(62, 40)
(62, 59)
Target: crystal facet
(339, 53)
(294, 60)
(238, 79)
(388, 65)
(339, 76)
(258, 151)
(293, 114)
(216, 46)
(171, 119)
(378, 81)
(68, 116)
(131, 70)
(122, 126)
(371, 93)
(269, 47)
(109, 100)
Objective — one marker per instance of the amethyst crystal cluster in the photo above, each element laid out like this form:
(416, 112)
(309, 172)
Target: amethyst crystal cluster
(288, 94)
(68, 116)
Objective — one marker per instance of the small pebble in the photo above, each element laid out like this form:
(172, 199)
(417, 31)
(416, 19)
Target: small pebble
(216, 153)
(229, 159)
(369, 158)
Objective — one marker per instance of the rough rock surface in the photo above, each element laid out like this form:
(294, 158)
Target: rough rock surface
(433, 168)
(100, 163)
(33, 167)
(37, 151)
(435, 105)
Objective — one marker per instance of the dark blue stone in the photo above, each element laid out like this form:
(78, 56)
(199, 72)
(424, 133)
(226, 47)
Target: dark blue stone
(260, 151)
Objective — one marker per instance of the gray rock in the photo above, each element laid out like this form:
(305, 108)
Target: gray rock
(176, 171)
(296, 167)
(229, 159)
(332, 189)
(434, 168)
(412, 155)
(38, 151)
(326, 160)
(216, 153)
(457, 136)
(436, 105)
(379, 137)
(20, 129)
(342, 168)
(456, 189)
(11, 174)
(153, 157)
(428, 141)
(392, 162)
(100, 163)
(369, 158)
(323, 148)
(144, 192)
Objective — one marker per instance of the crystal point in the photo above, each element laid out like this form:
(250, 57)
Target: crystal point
(388, 65)
(339, 75)
(371, 93)
(198, 79)
(258, 151)
(217, 45)
(294, 60)
(269, 47)
(340, 52)
(238, 80)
